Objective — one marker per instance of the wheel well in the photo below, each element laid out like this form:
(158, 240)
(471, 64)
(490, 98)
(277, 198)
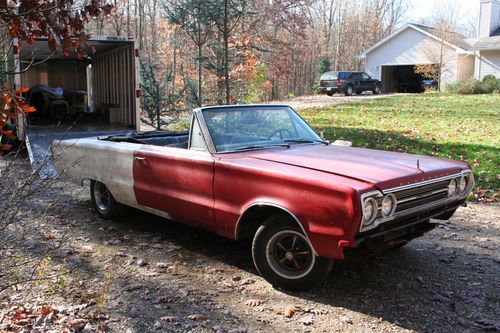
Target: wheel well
(254, 216)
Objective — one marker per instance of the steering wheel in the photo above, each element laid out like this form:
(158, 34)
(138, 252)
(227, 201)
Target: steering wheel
(280, 131)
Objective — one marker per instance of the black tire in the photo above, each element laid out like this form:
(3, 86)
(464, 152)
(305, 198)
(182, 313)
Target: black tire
(293, 269)
(358, 92)
(376, 89)
(104, 202)
(330, 93)
(349, 91)
(397, 246)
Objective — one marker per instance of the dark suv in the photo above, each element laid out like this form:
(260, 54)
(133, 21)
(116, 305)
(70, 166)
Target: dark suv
(348, 83)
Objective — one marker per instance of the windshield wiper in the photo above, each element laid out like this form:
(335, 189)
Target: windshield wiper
(303, 140)
(260, 147)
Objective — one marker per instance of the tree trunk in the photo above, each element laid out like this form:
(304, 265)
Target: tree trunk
(226, 53)
(440, 69)
(128, 18)
(199, 44)
(174, 64)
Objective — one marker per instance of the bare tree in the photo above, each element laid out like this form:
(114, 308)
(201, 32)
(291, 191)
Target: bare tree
(440, 52)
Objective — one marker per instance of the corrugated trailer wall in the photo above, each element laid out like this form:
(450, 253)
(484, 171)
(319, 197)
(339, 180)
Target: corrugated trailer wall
(114, 84)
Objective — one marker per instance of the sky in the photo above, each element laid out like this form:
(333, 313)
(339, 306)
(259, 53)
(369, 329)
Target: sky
(465, 10)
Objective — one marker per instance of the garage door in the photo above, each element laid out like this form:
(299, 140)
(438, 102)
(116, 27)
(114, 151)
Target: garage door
(401, 78)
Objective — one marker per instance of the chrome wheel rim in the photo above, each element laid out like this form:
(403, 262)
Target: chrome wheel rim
(102, 197)
(289, 254)
(349, 90)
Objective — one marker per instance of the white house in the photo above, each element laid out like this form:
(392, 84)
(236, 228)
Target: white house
(392, 59)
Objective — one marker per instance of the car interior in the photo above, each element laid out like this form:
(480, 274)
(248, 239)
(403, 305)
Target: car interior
(175, 139)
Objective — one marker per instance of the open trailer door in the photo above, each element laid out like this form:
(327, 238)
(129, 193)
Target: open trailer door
(76, 98)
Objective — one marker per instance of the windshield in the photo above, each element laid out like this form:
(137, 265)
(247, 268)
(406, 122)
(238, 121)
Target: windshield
(329, 76)
(256, 127)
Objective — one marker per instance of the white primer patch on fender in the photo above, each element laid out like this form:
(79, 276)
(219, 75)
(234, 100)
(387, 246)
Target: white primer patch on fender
(111, 163)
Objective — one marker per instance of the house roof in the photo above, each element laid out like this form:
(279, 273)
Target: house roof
(450, 36)
(486, 43)
(453, 40)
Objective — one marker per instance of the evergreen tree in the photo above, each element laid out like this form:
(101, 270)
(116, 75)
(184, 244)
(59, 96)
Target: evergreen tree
(193, 17)
(324, 65)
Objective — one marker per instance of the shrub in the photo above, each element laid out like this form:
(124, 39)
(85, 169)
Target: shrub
(489, 77)
(492, 85)
(489, 85)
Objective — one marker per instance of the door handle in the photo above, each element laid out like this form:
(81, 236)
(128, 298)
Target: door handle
(138, 158)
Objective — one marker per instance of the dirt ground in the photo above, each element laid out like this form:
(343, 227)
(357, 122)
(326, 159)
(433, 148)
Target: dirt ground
(312, 101)
(148, 274)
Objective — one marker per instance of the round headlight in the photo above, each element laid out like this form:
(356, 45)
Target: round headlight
(462, 186)
(369, 211)
(388, 205)
(452, 188)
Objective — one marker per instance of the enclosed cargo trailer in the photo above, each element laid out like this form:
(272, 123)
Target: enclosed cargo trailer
(94, 95)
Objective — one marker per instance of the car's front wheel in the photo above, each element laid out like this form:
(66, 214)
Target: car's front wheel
(284, 257)
(104, 202)
(376, 89)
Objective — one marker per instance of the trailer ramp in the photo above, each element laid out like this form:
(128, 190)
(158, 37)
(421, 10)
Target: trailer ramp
(40, 138)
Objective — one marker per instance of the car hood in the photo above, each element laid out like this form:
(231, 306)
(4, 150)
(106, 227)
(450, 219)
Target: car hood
(383, 169)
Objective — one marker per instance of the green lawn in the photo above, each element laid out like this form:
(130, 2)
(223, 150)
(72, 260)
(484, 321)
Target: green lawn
(461, 127)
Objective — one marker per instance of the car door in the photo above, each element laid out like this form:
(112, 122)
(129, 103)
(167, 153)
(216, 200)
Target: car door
(177, 181)
(367, 82)
(358, 82)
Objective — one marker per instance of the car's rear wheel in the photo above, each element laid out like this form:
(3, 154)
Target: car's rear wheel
(284, 257)
(104, 202)
(348, 91)
(376, 89)
(330, 93)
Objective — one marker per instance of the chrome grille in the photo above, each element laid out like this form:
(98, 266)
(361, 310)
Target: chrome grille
(421, 195)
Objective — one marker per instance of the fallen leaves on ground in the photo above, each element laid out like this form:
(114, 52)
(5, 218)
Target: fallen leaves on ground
(197, 317)
(254, 302)
(22, 318)
(169, 319)
(307, 320)
(289, 311)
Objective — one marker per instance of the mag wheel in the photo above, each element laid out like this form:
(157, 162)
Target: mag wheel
(376, 90)
(285, 258)
(104, 203)
(348, 91)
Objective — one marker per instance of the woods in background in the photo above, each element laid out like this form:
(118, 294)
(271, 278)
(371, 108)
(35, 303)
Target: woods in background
(248, 50)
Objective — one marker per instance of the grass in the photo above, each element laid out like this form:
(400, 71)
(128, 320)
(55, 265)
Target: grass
(460, 127)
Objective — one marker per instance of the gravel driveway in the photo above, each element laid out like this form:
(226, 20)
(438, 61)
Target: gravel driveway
(148, 274)
(304, 102)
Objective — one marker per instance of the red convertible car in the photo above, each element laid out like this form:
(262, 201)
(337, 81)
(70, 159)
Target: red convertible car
(260, 172)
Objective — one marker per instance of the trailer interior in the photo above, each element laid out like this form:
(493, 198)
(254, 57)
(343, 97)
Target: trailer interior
(75, 97)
